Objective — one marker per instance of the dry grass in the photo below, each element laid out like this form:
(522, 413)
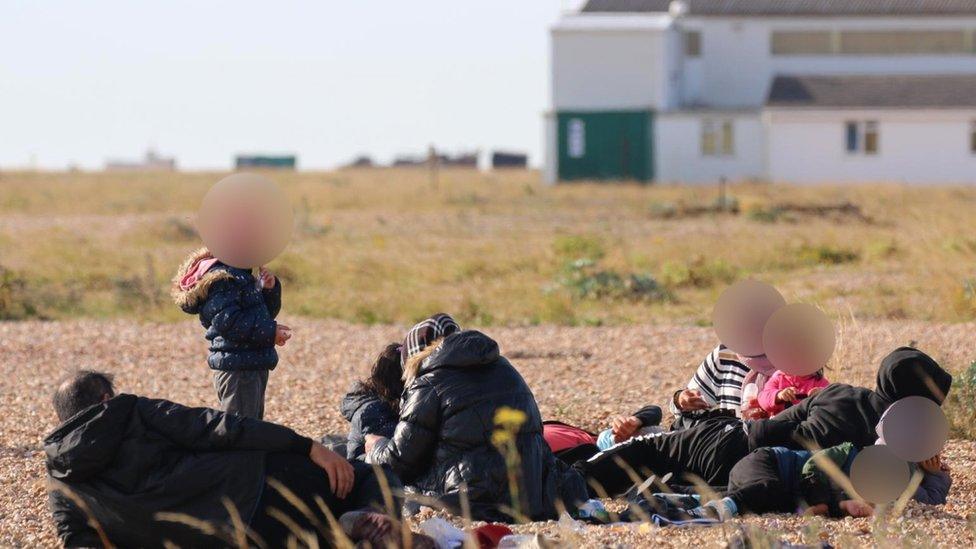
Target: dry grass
(379, 246)
(582, 375)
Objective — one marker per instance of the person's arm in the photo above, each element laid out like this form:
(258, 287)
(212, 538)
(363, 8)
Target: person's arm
(704, 371)
(409, 450)
(70, 522)
(767, 397)
(233, 322)
(934, 489)
(272, 298)
(205, 429)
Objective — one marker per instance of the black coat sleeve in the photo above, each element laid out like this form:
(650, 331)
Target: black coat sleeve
(272, 298)
(234, 322)
(782, 430)
(649, 415)
(409, 451)
(70, 522)
(205, 429)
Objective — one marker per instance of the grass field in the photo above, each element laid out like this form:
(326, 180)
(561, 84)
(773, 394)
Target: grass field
(380, 246)
(619, 279)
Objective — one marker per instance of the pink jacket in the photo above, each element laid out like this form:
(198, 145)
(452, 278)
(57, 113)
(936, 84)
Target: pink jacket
(780, 381)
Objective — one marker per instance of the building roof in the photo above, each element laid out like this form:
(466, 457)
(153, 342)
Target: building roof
(935, 91)
(824, 8)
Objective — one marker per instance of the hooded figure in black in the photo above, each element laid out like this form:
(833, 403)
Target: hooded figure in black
(125, 459)
(443, 445)
(837, 414)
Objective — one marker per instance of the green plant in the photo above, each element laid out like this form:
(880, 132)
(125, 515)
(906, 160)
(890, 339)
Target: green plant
(586, 280)
(698, 273)
(579, 247)
(960, 405)
(824, 254)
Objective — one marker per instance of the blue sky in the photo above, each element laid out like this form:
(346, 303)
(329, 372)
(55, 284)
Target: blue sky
(84, 81)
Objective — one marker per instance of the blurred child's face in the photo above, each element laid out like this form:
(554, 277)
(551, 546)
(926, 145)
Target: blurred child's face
(245, 221)
(799, 339)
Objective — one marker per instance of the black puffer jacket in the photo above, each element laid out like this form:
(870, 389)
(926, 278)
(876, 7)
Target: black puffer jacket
(131, 457)
(443, 440)
(239, 317)
(367, 414)
(843, 413)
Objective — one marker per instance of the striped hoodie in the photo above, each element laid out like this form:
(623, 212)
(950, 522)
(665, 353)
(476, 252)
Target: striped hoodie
(719, 380)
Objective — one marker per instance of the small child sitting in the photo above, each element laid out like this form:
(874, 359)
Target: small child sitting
(238, 312)
(372, 406)
(784, 390)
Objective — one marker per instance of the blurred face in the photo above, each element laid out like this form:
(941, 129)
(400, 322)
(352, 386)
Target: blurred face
(741, 313)
(245, 220)
(799, 339)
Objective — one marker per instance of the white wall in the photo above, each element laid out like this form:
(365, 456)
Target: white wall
(914, 147)
(601, 63)
(677, 148)
(736, 67)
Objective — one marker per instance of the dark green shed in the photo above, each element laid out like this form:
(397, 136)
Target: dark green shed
(606, 145)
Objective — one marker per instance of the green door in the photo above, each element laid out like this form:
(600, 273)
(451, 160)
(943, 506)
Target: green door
(605, 145)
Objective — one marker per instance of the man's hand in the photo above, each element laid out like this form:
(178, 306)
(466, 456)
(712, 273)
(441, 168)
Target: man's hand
(624, 427)
(856, 508)
(787, 395)
(341, 474)
(933, 464)
(267, 279)
(282, 334)
(689, 400)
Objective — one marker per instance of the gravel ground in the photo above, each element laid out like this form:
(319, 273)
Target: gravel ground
(580, 375)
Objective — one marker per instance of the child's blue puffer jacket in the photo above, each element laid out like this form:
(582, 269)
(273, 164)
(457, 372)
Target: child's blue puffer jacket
(239, 317)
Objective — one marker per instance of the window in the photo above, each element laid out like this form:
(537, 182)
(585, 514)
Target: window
(873, 42)
(903, 42)
(861, 137)
(717, 137)
(693, 43)
(576, 138)
(802, 43)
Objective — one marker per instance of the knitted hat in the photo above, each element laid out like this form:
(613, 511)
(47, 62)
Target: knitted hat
(421, 335)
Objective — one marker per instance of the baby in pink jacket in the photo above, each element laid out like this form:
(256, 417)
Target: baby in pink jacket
(783, 390)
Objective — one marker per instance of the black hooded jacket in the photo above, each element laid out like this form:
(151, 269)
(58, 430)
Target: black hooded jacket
(443, 441)
(367, 414)
(844, 413)
(131, 457)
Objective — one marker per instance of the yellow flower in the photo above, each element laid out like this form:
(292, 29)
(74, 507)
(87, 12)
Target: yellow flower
(509, 419)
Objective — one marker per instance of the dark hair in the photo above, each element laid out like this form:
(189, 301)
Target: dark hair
(80, 390)
(386, 377)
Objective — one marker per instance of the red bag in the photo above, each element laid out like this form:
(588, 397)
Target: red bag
(560, 436)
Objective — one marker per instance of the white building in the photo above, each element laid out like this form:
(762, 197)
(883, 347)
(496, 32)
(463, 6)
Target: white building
(783, 90)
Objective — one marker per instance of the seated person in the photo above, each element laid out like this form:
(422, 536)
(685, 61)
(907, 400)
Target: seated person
(784, 390)
(837, 414)
(456, 383)
(372, 405)
(118, 460)
(571, 443)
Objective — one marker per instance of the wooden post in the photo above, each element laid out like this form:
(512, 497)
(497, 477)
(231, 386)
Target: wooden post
(432, 162)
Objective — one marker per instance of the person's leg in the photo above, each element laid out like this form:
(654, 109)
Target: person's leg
(756, 487)
(707, 450)
(304, 480)
(241, 392)
(379, 491)
(612, 471)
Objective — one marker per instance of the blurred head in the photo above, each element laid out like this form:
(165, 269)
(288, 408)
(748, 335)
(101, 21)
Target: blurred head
(909, 372)
(385, 377)
(80, 390)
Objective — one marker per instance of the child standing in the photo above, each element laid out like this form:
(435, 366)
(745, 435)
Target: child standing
(784, 390)
(238, 312)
